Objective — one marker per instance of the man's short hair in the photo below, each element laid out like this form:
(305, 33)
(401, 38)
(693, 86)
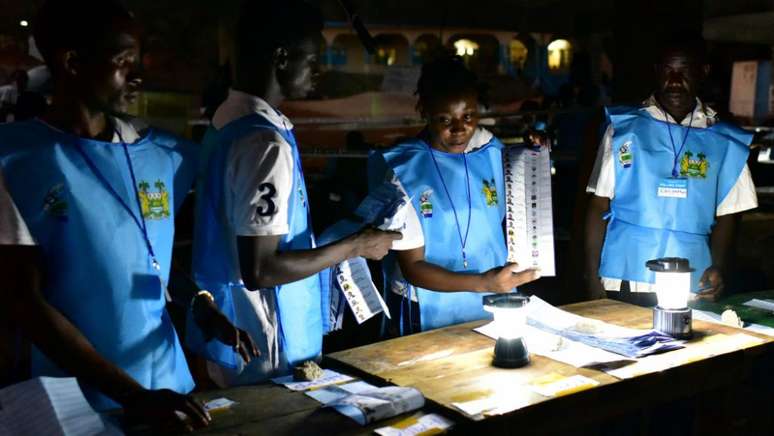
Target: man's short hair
(79, 25)
(265, 25)
(689, 42)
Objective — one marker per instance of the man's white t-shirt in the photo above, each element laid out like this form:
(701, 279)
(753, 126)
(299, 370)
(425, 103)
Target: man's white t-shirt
(259, 169)
(602, 181)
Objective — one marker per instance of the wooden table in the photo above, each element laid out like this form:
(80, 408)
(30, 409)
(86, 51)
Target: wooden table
(454, 365)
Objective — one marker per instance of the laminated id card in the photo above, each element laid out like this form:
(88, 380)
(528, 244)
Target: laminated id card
(673, 188)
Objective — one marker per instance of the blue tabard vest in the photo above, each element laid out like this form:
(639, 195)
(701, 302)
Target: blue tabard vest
(99, 272)
(644, 226)
(216, 265)
(413, 165)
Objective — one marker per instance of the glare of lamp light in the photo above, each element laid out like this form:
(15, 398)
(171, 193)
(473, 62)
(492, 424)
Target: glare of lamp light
(24, 23)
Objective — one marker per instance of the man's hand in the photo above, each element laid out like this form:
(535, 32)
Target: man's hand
(712, 284)
(216, 325)
(505, 278)
(538, 138)
(374, 244)
(157, 408)
(596, 290)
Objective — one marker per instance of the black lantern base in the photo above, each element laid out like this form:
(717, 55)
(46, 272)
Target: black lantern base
(510, 353)
(673, 322)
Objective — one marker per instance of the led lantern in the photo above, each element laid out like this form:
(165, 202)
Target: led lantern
(510, 319)
(672, 316)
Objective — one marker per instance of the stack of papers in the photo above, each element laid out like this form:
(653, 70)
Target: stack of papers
(365, 403)
(631, 343)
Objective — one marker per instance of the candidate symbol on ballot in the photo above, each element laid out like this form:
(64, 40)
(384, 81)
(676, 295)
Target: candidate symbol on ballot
(490, 192)
(690, 167)
(425, 206)
(154, 204)
(625, 154)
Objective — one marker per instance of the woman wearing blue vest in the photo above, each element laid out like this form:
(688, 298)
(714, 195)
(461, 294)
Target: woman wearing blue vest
(671, 180)
(454, 247)
(96, 195)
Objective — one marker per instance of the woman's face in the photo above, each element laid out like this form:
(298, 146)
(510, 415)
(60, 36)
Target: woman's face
(451, 121)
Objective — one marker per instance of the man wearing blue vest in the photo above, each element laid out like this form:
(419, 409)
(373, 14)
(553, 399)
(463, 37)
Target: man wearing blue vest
(96, 195)
(253, 245)
(671, 180)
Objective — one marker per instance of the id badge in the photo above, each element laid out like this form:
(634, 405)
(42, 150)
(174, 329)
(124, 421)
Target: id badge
(673, 188)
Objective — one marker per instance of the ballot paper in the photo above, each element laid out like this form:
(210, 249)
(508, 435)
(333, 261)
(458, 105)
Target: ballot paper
(417, 425)
(759, 303)
(377, 404)
(562, 349)
(50, 406)
(329, 377)
(631, 343)
(218, 404)
(329, 394)
(528, 211)
(386, 208)
(355, 282)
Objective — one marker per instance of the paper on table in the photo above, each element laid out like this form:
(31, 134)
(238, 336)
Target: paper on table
(329, 377)
(370, 406)
(329, 394)
(554, 385)
(759, 303)
(49, 406)
(562, 349)
(218, 404)
(413, 426)
(620, 340)
(492, 405)
(354, 279)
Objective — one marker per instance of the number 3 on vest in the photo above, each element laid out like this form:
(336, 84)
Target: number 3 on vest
(271, 207)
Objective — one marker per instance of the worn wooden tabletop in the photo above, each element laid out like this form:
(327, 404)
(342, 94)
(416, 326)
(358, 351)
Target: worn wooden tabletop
(453, 364)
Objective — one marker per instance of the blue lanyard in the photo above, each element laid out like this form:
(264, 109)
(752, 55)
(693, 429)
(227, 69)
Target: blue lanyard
(676, 173)
(140, 222)
(463, 240)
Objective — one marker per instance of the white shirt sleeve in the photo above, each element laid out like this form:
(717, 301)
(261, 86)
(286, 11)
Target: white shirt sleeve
(602, 180)
(13, 230)
(413, 237)
(259, 181)
(741, 197)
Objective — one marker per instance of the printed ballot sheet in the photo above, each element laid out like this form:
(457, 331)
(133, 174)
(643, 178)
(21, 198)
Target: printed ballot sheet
(354, 280)
(528, 210)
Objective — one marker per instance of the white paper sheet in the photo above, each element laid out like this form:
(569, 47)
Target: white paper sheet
(329, 377)
(425, 425)
(528, 208)
(329, 394)
(761, 304)
(354, 280)
(561, 349)
(371, 406)
(50, 406)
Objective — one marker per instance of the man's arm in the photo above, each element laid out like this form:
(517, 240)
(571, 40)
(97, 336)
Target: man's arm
(427, 275)
(263, 265)
(66, 346)
(595, 236)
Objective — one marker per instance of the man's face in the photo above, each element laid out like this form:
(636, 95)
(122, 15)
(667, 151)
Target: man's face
(678, 75)
(452, 120)
(297, 78)
(110, 79)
